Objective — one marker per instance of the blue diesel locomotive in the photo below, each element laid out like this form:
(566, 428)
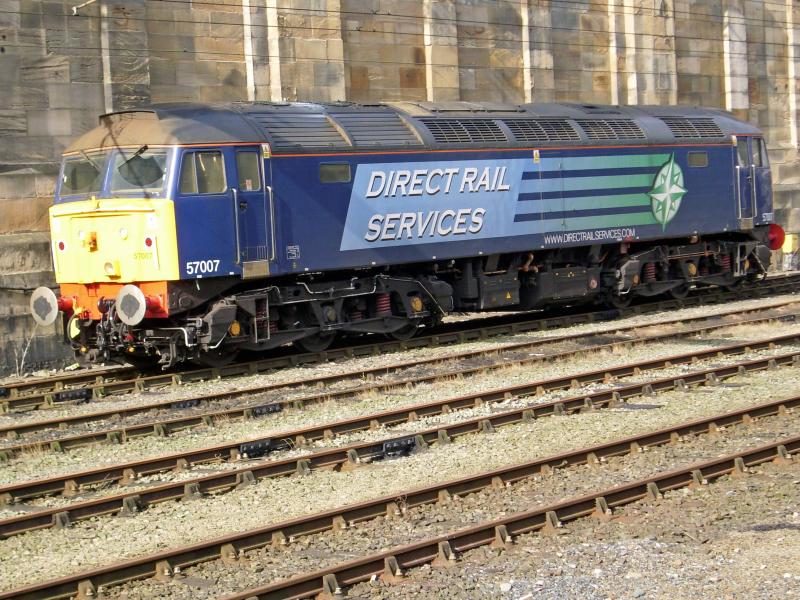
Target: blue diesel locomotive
(191, 232)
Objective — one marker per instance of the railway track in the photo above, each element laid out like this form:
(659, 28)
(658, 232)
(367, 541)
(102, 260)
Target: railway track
(500, 533)
(85, 385)
(164, 565)
(354, 454)
(194, 418)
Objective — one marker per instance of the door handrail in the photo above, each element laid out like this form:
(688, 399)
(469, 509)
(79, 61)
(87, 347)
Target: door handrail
(235, 198)
(272, 244)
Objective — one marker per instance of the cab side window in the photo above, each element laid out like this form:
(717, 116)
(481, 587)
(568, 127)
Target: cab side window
(741, 150)
(249, 174)
(760, 158)
(202, 173)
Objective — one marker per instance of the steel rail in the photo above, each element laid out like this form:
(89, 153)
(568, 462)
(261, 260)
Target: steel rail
(70, 484)
(12, 432)
(164, 426)
(329, 582)
(26, 395)
(231, 547)
(355, 454)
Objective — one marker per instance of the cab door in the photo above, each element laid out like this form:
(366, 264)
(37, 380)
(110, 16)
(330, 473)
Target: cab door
(762, 182)
(251, 197)
(745, 182)
(204, 215)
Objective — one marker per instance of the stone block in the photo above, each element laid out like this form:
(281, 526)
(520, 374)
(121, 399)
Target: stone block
(45, 68)
(328, 74)
(359, 80)
(311, 49)
(414, 77)
(23, 214)
(87, 96)
(86, 69)
(13, 122)
(10, 68)
(49, 123)
(220, 48)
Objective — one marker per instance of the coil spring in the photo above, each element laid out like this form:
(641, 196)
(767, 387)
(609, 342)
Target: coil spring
(649, 272)
(704, 270)
(273, 327)
(356, 315)
(726, 262)
(383, 305)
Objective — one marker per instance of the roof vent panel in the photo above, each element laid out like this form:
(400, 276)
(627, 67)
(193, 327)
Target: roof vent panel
(464, 131)
(611, 129)
(292, 131)
(542, 131)
(682, 127)
(379, 128)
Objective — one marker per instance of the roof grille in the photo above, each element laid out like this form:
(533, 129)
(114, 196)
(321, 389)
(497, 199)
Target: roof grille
(611, 129)
(542, 131)
(692, 128)
(464, 131)
(288, 131)
(379, 128)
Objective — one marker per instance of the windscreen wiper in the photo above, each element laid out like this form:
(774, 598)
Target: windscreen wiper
(89, 158)
(139, 152)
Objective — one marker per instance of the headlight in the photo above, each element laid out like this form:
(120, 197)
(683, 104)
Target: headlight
(123, 233)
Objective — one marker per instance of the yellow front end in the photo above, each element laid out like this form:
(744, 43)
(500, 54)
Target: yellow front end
(114, 241)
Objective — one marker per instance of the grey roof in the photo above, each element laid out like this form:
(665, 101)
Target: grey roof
(303, 127)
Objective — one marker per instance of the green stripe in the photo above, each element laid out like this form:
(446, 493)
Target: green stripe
(606, 182)
(615, 162)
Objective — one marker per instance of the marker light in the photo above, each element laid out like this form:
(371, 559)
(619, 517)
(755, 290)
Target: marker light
(148, 241)
(776, 236)
(123, 233)
(62, 246)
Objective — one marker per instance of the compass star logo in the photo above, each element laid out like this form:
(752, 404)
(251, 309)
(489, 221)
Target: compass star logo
(667, 192)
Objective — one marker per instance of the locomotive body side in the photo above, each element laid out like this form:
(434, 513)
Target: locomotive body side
(460, 204)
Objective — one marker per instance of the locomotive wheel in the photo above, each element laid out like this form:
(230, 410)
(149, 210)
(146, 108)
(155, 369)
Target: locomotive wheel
(612, 300)
(680, 292)
(317, 342)
(406, 332)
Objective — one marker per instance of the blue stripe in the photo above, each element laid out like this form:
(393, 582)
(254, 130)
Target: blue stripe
(528, 175)
(571, 214)
(580, 193)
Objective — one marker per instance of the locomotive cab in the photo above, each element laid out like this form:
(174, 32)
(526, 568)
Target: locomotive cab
(753, 182)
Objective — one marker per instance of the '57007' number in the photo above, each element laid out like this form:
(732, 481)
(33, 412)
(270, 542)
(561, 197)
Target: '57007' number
(199, 267)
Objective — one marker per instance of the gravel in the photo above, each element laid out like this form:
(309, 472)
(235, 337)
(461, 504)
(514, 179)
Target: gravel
(739, 538)
(97, 541)
(378, 535)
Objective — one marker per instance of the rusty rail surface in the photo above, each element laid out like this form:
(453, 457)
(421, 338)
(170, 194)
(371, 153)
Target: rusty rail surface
(164, 426)
(230, 547)
(85, 385)
(127, 503)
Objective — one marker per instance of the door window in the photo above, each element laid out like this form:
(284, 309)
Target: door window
(760, 158)
(757, 153)
(249, 173)
(741, 150)
(202, 173)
